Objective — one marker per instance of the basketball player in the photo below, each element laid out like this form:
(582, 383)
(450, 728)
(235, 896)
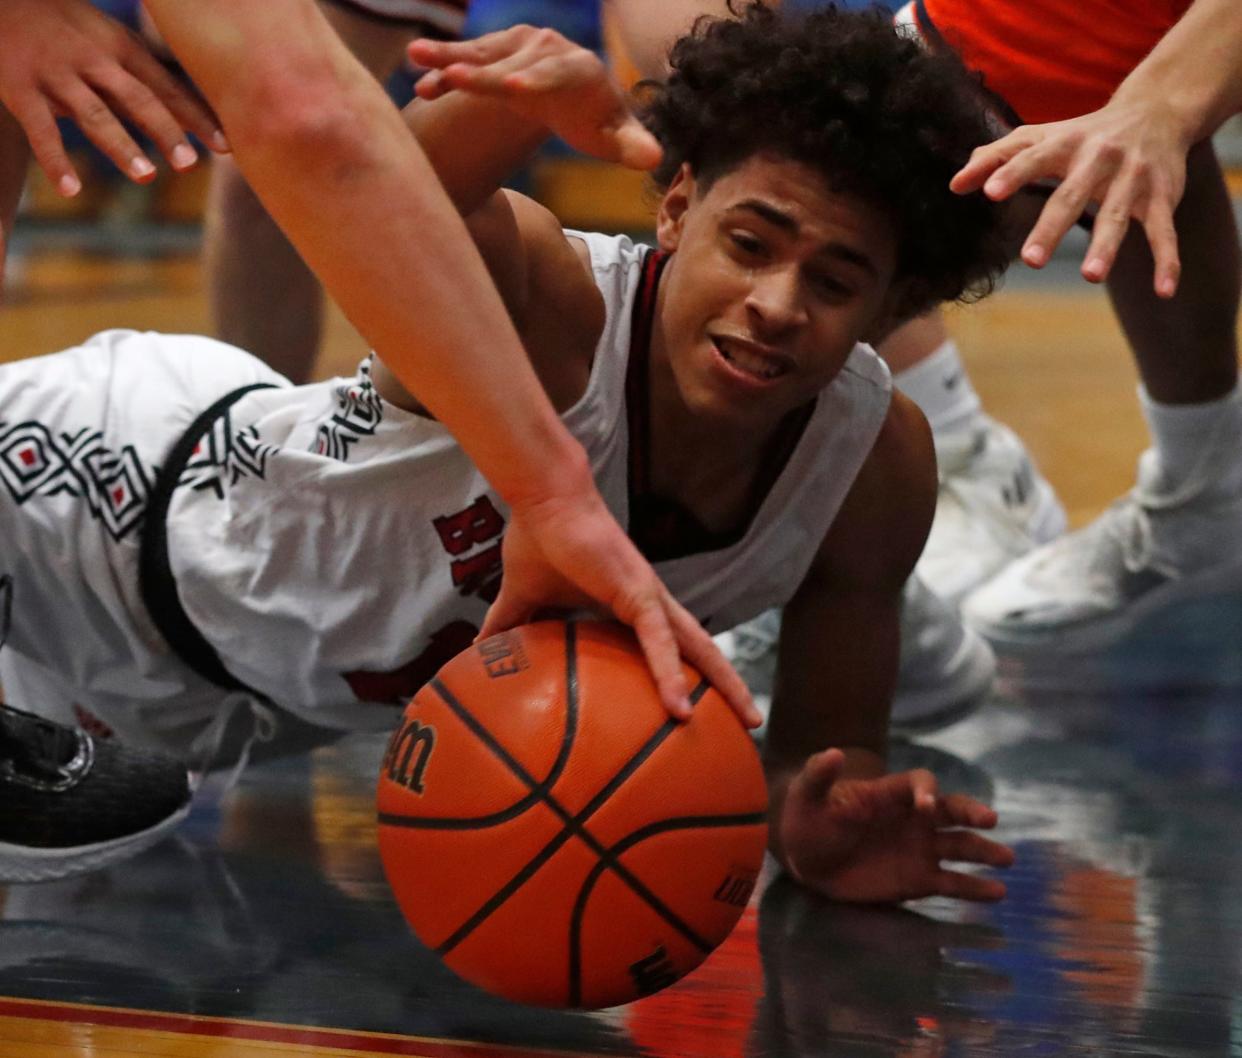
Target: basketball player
(327, 547)
(1124, 121)
(992, 504)
(316, 137)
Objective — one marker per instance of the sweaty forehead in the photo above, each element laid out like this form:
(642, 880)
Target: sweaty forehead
(795, 199)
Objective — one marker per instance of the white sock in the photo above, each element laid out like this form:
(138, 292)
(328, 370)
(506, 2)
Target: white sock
(940, 386)
(1193, 444)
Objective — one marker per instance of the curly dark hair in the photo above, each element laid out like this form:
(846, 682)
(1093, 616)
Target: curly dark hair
(843, 92)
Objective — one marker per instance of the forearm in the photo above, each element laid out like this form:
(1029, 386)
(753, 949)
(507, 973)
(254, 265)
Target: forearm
(472, 167)
(336, 167)
(1195, 70)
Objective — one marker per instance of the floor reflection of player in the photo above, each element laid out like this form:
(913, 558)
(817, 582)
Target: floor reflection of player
(1128, 930)
(863, 981)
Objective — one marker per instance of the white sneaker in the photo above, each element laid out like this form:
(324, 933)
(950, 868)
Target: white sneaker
(1090, 590)
(946, 668)
(751, 649)
(993, 506)
(945, 671)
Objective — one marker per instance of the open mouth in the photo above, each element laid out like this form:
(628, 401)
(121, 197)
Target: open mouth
(750, 360)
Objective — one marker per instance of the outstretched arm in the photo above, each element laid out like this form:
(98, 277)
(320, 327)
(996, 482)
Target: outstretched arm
(1129, 156)
(335, 166)
(840, 824)
(485, 105)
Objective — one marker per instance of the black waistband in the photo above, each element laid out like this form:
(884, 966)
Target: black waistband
(156, 584)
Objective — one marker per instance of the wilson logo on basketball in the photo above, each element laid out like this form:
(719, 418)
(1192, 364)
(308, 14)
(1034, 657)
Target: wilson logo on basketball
(734, 890)
(409, 752)
(503, 655)
(653, 972)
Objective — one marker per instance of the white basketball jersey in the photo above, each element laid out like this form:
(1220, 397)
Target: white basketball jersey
(764, 568)
(334, 549)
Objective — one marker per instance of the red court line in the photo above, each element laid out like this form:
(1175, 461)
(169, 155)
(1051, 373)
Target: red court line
(264, 1032)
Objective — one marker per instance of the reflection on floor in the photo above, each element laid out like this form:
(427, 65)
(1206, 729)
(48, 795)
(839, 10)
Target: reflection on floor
(1122, 933)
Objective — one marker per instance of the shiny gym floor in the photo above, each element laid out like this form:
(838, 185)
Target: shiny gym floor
(265, 928)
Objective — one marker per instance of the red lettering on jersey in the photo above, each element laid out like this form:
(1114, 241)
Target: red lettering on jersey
(477, 524)
(400, 685)
(477, 529)
(474, 575)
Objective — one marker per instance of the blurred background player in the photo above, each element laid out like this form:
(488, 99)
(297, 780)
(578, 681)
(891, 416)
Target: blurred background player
(1124, 122)
(263, 296)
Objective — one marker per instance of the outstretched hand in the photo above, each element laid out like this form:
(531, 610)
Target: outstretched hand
(547, 79)
(884, 840)
(571, 552)
(1128, 158)
(65, 58)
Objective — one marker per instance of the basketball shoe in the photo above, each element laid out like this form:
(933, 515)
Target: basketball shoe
(1155, 549)
(946, 669)
(993, 506)
(70, 803)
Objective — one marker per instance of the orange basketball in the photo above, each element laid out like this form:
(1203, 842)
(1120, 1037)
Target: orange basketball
(552, 834)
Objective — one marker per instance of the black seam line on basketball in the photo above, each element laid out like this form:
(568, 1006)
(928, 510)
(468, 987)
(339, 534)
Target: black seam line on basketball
(573, 826)
(626, 843)
(541, 789)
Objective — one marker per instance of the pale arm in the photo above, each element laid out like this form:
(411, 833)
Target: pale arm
(335, 166)
(1129, 156)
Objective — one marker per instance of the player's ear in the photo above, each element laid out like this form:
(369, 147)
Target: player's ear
(673, 208)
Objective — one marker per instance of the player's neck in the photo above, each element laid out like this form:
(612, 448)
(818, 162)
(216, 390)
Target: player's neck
(708, 465)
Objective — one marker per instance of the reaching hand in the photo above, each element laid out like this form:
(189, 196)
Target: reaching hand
(547, 79)
(882, 840)
(1128, 158)
(65, 58)
(571, 552)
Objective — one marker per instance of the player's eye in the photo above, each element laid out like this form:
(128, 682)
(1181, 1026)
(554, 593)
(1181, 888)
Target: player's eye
(747, 243)
(830, 286)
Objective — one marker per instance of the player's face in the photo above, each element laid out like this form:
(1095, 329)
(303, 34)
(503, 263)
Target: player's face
(775, 279)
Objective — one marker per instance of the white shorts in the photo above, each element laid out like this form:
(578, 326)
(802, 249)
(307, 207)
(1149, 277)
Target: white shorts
(82, 433)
